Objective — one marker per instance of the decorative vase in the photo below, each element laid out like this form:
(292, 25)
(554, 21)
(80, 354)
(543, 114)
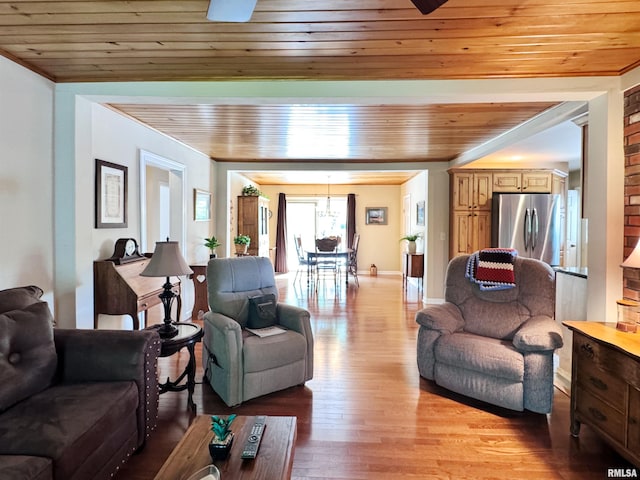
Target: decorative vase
(411, 246)
(220, 451)
(212, 255)
(241, 249)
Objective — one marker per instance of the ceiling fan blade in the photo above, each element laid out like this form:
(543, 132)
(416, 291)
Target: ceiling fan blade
(428, 6)
(231, 10)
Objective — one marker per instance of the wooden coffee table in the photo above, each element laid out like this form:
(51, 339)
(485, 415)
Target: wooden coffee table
(274, 460)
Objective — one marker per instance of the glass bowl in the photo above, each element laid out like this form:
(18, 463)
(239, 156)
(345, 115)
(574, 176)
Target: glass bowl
(210, 472)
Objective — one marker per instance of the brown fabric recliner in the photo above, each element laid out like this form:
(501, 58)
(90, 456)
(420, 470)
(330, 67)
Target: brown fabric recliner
(496, 346)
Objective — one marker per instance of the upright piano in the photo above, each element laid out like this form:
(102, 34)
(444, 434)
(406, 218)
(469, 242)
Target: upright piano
(118, 289)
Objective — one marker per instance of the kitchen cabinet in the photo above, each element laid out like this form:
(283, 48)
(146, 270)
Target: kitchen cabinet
(471, 231)
(253, 220)
(471, 191)
(514, 181)
(470, 221)
(471, 194)
(559, 185)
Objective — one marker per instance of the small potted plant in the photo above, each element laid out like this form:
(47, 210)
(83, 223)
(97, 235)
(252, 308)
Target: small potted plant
(222, 436)
(411, 242)
(212, 243)
(242, 243)
(251, 191)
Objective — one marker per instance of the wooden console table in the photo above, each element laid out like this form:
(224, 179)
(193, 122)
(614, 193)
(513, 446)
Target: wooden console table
(605, 385)
(274, 460)
(413, 266)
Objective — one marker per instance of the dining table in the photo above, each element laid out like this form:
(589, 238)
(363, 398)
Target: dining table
(313, 257)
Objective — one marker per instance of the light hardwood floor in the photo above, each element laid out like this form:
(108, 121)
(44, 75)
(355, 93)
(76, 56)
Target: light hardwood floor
(368, 415)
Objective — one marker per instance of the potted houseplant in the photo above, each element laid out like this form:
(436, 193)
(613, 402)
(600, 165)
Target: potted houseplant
(250, 191)
(222, 436)
(212, 243)
(411, 242)
(242, 243)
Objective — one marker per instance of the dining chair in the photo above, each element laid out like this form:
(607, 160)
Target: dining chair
(304, 263)
(352, 263)
(326, 265)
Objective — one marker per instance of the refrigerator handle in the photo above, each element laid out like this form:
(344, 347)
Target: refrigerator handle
(527, 228)
(534, 233)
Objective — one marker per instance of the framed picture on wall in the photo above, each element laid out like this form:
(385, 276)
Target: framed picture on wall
(376, 215)
(111, 195)
(201, 205)
(420, 213)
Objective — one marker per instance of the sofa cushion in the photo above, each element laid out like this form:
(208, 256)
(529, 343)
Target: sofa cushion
(70, 423)
(481, 354)
(19, 297)
(25, 467)
(27, 353)
(271, 352)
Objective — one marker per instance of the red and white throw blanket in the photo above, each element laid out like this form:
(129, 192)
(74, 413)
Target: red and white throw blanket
(492, 268)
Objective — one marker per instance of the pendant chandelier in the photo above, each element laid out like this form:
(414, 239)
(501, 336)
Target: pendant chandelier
(328, 212)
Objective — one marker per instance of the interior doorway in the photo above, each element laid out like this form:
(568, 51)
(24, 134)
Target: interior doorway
(313, 218)
(162, 201)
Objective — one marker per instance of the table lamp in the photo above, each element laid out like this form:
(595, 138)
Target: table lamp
(628, 309)
(167, 261)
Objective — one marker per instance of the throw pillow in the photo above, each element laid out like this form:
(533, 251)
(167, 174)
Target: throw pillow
(19, 298)
(262, 311)
(28, 357)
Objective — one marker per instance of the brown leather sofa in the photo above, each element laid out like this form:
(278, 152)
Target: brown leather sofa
(74, 404)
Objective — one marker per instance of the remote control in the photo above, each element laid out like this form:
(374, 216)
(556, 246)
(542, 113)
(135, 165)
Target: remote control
(250, 449)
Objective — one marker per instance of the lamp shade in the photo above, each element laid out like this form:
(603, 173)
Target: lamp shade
(167, 261)
(633, 260)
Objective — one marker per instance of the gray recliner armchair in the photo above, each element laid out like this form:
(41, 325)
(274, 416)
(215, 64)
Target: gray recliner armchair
(238, 364)
(495, 346)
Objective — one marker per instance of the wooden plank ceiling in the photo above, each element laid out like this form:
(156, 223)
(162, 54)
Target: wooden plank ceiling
(359, 133)
(77, 41)
(171, 40)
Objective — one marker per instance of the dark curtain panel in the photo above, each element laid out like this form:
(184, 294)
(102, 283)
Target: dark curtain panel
(351, 218)
(281, 235)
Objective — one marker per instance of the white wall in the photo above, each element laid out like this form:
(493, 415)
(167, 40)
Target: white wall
(432, 187)
(437, 229)
(117, 139)
(415, 190)
(26, 188)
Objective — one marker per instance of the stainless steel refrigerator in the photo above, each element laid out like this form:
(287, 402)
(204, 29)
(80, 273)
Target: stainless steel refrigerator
(530, 223)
